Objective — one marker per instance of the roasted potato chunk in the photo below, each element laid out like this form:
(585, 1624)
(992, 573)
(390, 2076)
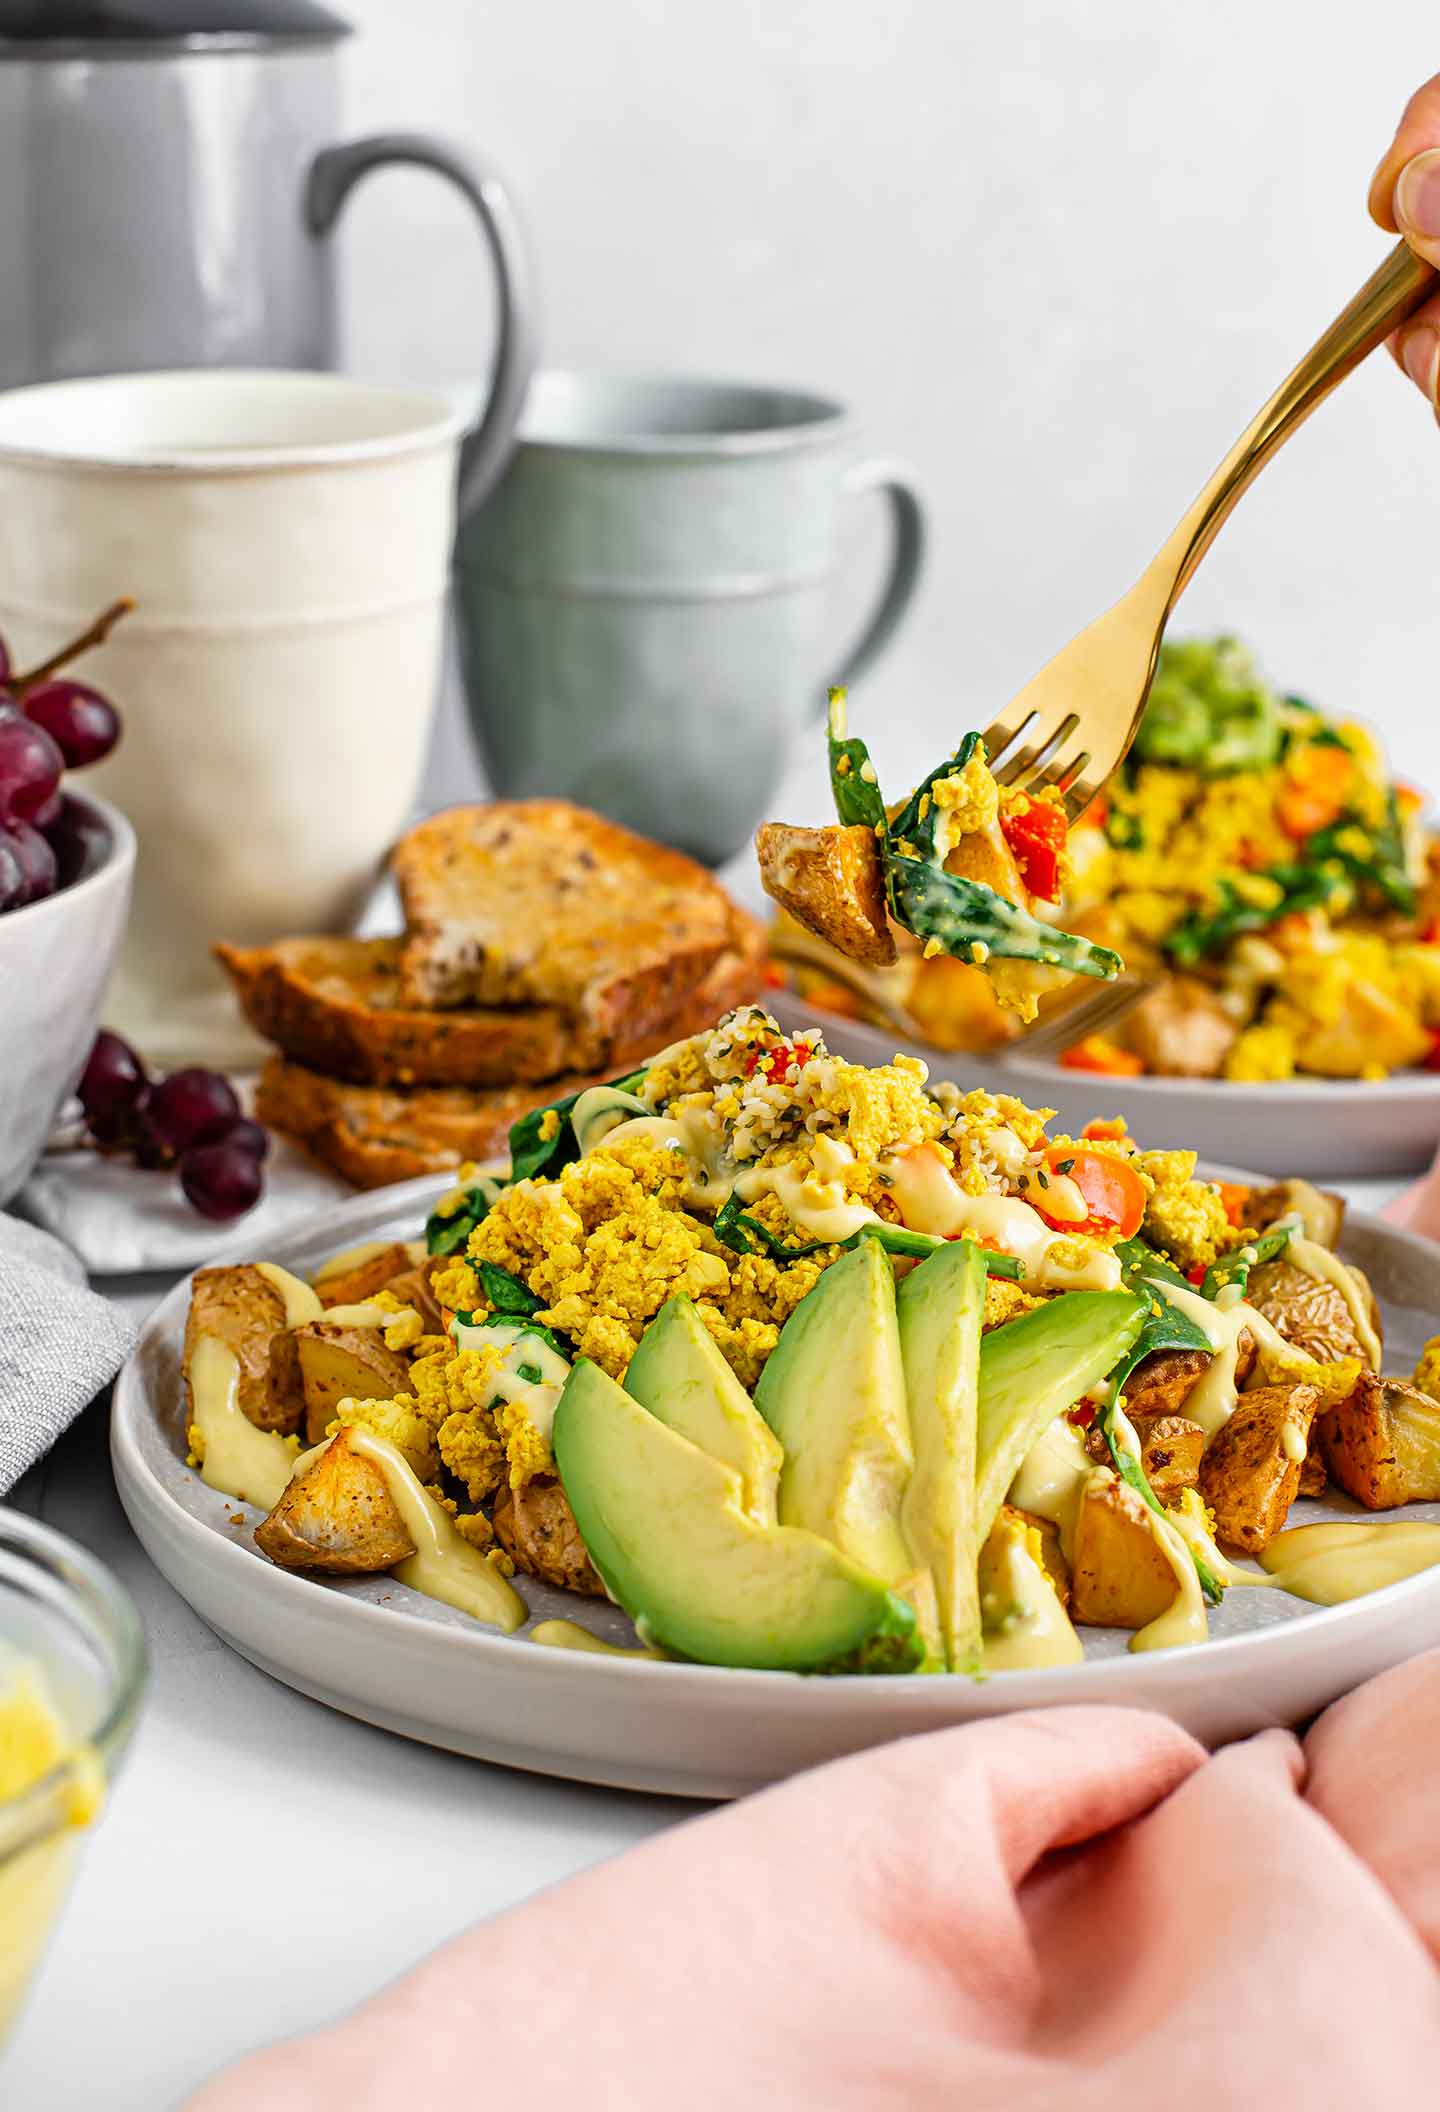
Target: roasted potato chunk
(1382, 1444)
(412, 1288)
(1181, 1030)
(1120, 1576)
(1170, 1451)
(246, 1312)
(1312, 1315)
(1250, 1472)
(831, 881)
(536, 1527)
(343, 1363)
(1321, 1212)
(354, 1285)
(339, 1517)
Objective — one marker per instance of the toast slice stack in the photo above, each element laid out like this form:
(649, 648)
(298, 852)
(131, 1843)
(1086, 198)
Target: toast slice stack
(545, 949)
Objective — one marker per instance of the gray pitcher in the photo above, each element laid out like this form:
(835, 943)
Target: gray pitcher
(169, 180)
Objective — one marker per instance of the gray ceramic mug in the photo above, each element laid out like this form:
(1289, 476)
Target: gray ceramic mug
(640, 601)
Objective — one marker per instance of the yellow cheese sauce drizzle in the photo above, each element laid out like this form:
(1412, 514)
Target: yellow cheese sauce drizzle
(1328, 1564)
(1025, 1624)
(444, 1566)
(34, 1741)
(301, 1303)
(251, 1465)
(569, 1635)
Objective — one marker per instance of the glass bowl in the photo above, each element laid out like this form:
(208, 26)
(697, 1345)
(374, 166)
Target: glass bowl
(67, 1628)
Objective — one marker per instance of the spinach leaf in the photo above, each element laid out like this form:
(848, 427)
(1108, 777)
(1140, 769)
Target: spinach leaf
(547, 1335)
(960, 913)
(450, 1233)
(918, 819)
(1165, 1326)
(853, 784)
(509, 1297)
(532, 1153)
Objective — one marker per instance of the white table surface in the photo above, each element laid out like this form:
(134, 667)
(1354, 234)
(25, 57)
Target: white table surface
(183, 1946)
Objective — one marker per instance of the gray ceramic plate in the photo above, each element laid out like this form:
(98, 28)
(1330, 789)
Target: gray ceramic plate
(380, 1651)
(1319, 1128)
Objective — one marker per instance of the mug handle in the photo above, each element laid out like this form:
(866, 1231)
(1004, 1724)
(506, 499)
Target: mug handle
(907, 557)
(335, 173)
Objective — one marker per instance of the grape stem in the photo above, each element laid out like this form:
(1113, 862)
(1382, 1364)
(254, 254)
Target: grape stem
(99, 631)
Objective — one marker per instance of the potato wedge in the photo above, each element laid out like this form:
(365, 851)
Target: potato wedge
(1250, 1473)
(342, 1363)
(1181, 1030)
(1312, 1315)
(536, 1527)
(246, 1312)
(412, 1287)
(831, 881)
(339, 1517)
(1382, 1444)
(1120, 1577)
(353, 1286)
(1321, 1212)
(1170, 1451)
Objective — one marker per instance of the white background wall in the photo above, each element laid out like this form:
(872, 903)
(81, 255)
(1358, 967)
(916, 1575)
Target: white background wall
(1056, 253)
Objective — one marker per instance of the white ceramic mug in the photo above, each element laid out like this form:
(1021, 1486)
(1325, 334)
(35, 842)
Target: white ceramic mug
(285, 538)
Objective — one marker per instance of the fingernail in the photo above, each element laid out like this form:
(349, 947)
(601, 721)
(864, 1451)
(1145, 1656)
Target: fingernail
(1417, 196)
(1420, 357)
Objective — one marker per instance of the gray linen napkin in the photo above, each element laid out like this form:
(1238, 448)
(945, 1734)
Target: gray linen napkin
(59, 1344)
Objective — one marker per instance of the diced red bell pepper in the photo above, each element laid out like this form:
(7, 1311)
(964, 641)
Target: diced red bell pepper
(1037, 835)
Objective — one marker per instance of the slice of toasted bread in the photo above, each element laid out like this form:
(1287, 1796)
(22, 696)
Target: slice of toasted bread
(538, 902)
(336, 1005)
(373, 1135)
(832, 882)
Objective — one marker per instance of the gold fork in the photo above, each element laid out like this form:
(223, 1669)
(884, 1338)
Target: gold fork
(1072, 725)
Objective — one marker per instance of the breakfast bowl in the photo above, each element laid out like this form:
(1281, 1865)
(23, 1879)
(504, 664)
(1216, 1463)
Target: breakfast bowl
(55, 961)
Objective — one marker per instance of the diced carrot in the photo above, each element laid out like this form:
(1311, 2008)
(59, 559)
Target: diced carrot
(1235, 1196)
(1318, 781)
(1104, 1057)
(1113, 1189)
(1109, 1131)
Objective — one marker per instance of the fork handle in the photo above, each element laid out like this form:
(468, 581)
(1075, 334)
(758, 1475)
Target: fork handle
(1388, 296)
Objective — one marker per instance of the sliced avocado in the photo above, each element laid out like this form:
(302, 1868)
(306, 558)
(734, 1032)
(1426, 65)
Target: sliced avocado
(1035, 1368)
(679, 1374)
(667, 1529)
(941, 1306)
(833, 1392)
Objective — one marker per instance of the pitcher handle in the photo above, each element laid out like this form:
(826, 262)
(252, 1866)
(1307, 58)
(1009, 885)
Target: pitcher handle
(907, 557)
(335, 173)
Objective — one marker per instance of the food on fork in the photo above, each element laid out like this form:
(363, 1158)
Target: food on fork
(964, 865)
(1256, 861)
(814, 1366)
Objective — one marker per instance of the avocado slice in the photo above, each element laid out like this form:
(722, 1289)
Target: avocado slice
(666, 1527)
(679, 1374)
(833, 1392)
(941, 1306)
(1035, 1368)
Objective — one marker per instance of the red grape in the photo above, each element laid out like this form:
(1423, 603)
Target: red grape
(112, 1081)
(37, 860)
(83, 725)
(247, 1134)
(80, 839)
(30, 767)
(192, 1107)
(12, 879)
(221, 1180)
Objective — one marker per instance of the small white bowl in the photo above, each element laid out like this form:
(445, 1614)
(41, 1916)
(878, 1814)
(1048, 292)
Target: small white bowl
(55, 960)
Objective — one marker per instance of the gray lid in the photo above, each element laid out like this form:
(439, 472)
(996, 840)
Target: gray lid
(37, 28)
